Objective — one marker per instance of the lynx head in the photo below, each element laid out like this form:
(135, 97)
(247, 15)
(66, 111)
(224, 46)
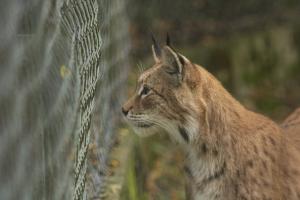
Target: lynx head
(164, 97)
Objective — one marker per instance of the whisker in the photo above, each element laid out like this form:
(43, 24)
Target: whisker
(161, 123)
(145, 118)
(141, 67)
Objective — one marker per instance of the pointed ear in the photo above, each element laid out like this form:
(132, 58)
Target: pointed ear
(155, 56)
(173, 62)
(156, 50)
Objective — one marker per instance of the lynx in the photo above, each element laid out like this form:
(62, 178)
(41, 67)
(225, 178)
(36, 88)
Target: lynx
(231, 152)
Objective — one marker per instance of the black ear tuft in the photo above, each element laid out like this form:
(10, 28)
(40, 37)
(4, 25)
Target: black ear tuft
(168, 40)
(156, 46)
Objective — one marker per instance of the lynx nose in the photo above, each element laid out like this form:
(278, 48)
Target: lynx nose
(124, 111)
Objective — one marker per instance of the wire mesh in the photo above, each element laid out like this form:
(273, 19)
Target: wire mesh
(50, 66)
(110, 92)
(80, 20)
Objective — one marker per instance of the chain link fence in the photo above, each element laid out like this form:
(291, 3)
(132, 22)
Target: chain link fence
(52, 56)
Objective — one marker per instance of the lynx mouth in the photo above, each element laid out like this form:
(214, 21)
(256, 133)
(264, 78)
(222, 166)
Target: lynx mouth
(143, 124)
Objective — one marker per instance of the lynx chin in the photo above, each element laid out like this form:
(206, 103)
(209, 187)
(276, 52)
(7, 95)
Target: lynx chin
(232, 152)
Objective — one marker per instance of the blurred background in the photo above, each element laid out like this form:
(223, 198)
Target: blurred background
(67, 66)
(252, 47)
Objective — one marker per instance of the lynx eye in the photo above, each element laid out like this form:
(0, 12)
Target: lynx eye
(145, 91)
